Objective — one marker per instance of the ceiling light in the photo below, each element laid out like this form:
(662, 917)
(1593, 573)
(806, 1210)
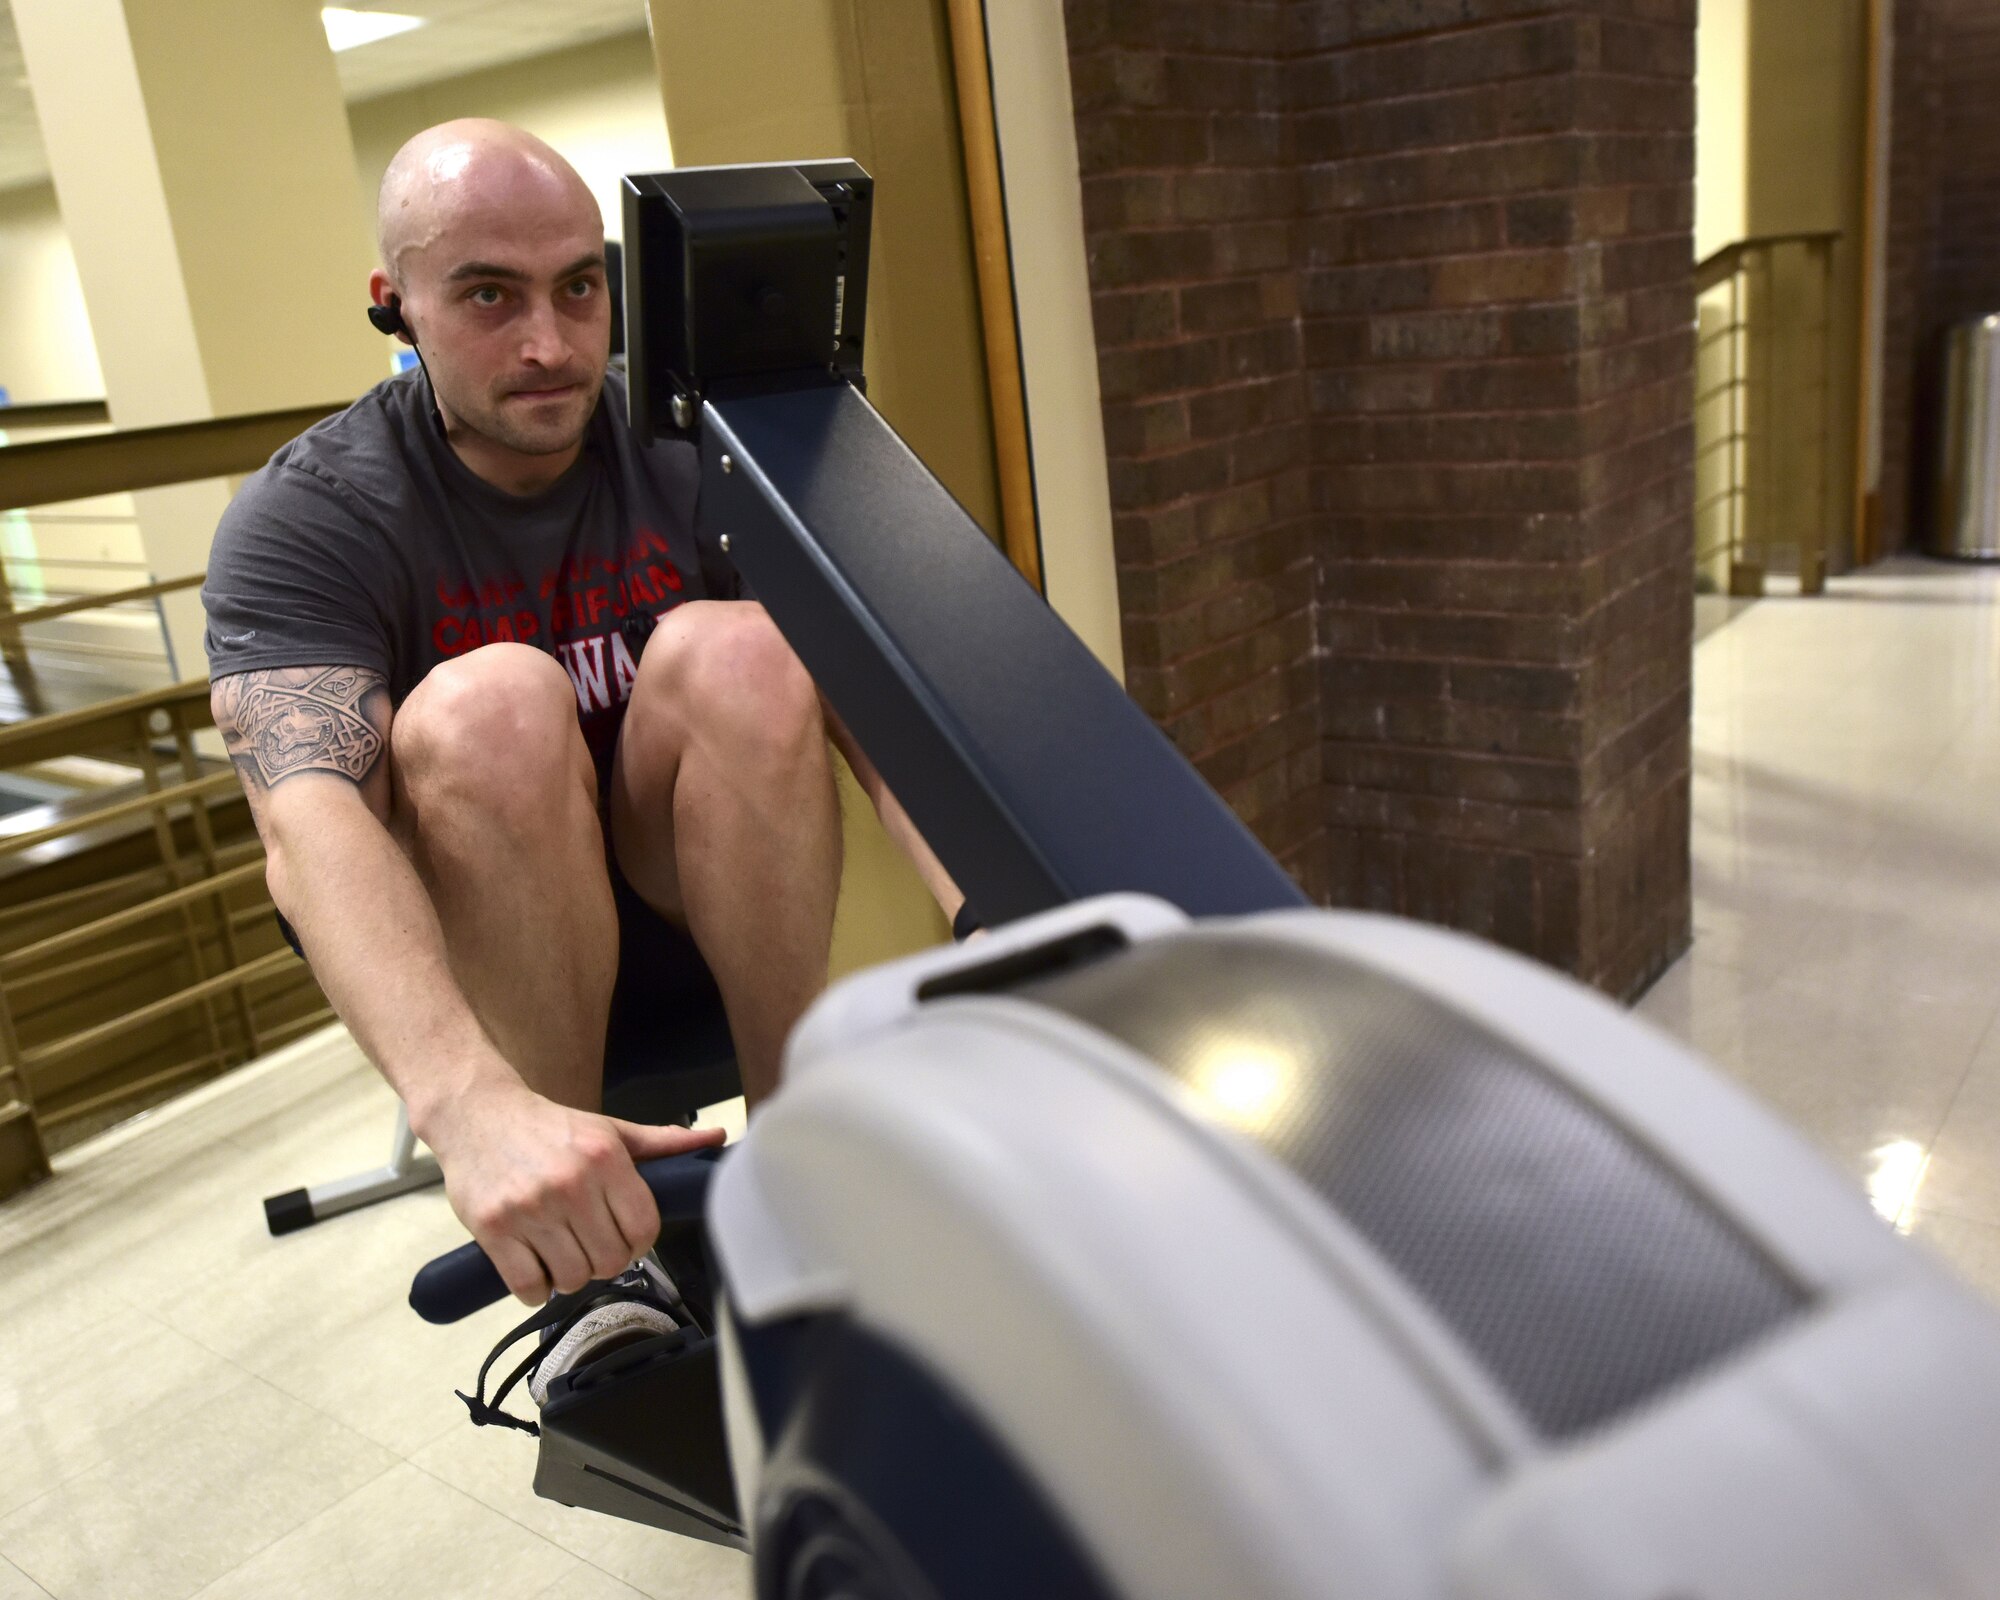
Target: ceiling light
(345, 29)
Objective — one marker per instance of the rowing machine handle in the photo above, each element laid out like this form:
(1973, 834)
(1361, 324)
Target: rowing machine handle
(464, 1280)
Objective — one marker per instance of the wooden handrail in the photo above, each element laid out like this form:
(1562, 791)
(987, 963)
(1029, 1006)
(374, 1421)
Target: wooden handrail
(262, 967)
(68, 733)
(14, 844)
(56, 944)
(155, 962)
(1717, 269)
(146, 458)
(54, 414)
(94, 602)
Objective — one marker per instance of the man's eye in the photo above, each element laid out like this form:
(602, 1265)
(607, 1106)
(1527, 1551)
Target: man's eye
(485, 295)
(581, 288)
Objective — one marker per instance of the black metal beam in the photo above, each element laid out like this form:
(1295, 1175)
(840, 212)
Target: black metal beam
(1024, 763)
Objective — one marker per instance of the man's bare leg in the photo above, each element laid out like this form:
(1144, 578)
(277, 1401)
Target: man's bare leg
(496, 804)
(724, 815)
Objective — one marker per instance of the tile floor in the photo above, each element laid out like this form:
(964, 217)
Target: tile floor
(1846, 961)
(190, 1408)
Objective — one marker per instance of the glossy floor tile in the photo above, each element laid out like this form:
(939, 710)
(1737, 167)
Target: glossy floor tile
(447, 1544)
(191, 1407)
(188, 1503)
(17, 1585)
(1846, 958)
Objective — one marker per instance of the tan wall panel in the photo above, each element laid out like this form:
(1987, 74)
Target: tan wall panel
(871, 79)
(1721, 125)
(1029, 50)
(250, 131)
(1806, 146)
(598, 104)
(206, 177)
(46, 351)
(777, 80)
(107, 180)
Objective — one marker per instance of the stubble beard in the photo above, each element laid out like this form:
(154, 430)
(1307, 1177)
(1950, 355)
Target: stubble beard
(551, 433)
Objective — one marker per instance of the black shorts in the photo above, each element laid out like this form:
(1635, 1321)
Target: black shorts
(667, 1026)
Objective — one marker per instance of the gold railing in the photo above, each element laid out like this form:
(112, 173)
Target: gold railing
(37, 473)
(54, 414)
(137, 946)
(1762, 422)
(45, 472)
(138, 950)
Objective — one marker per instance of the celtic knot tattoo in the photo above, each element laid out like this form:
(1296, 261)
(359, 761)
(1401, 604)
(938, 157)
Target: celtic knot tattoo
(302, 719)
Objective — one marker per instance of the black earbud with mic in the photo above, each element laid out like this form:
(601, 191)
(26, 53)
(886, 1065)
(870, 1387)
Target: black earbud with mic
(389, 318)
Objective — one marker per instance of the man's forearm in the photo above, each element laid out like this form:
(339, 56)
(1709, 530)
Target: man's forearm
(311, 746)
(378, 952)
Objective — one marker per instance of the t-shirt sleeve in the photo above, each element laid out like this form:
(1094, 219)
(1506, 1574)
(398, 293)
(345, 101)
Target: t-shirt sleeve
(299, 576)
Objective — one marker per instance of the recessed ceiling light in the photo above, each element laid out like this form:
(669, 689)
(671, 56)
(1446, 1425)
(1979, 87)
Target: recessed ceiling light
(345, 28)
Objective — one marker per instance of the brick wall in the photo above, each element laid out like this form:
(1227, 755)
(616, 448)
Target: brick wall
(1394, 318)
(1498, 334)
(1191, 217)
(1943, 247)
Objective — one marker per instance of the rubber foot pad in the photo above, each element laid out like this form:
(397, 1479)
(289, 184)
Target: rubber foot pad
(289, 1212)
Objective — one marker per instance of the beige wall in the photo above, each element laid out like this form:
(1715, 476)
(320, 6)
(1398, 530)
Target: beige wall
(873, 80)
(46, 352)
(207, 184)
(1028, 52)
(1780, 139)
(1721, 130)
(598, 104)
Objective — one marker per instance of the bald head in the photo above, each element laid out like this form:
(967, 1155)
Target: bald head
(493, 254)
(453, 172)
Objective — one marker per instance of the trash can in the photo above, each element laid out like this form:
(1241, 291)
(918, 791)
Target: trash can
(1966, 521)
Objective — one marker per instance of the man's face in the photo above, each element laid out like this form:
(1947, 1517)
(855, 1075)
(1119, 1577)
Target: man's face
(509, 304)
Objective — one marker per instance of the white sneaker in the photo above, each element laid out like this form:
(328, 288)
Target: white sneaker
(599, 1331)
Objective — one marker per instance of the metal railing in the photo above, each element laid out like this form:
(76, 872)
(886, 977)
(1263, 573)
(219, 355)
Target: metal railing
(138, 950)
(45, 472)
(137, 945)
(1762, 420)
(53, 414)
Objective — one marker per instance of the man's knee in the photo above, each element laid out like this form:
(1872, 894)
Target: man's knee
(721, 671)
(497, 722)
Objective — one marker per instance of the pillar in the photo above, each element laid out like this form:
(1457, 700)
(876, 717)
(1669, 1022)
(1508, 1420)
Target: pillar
(1499, 321)
(206, 178)
(1394, 313)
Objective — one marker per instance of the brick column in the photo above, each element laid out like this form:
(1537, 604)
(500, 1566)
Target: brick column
(1495, 280)
(1396, 298)
(1944, 230)
(1190, 217)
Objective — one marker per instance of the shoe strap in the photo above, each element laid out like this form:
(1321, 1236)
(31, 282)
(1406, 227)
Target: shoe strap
(561, 1312)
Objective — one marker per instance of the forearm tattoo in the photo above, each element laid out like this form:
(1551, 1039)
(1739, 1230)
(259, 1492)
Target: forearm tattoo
(303, 719)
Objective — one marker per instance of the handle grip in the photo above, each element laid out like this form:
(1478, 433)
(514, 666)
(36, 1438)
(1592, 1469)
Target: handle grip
(464, 1280)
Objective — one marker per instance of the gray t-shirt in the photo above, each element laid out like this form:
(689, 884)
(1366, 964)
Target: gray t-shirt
(367, 542)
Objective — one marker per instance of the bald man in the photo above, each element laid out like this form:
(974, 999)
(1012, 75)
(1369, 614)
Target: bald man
(524, 762)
